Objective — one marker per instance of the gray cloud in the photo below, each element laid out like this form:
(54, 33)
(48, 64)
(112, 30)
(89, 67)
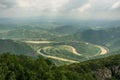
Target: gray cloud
(102, 5)
(115, 6)
(69, 8)
(73, 4)
(7, 3)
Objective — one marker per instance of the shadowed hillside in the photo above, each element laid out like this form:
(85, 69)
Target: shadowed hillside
(15, 47)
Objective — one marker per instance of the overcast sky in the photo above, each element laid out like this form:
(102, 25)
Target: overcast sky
(74, 9)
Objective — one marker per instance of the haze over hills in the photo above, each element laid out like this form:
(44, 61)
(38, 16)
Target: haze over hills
(78, 35)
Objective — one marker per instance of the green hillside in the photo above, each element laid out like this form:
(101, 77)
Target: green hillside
(66, 29)
(63, 50)
(27, 34)
(15, 47)
(108, 37)
(99, 36)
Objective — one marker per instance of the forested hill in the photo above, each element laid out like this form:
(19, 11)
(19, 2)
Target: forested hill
(14, 67)
(100, 36)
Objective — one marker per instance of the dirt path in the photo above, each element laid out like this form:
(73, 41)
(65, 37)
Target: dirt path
(103, 50)
(58, 58)
(40, 42)
(62, 59)
(37, 42)
(74, 51)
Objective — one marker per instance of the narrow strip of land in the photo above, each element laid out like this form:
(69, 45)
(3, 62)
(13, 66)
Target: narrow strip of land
(37, 42)
(62, 59)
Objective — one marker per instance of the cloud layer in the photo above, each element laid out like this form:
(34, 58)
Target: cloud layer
(79, 9)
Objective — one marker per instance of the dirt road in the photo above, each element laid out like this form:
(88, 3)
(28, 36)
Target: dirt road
(37, 42)
(103, 50)
(58, 58)
(74, 51)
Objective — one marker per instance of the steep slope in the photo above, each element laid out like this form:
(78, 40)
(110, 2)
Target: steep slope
(15, 47)
(98, 69)
(99, 36)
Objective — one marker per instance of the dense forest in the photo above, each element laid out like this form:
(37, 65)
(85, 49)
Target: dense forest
(19, 67)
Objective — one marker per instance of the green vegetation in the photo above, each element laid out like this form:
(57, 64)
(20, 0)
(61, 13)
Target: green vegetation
(58, 49)
(26, 34)
(16, 47)
(23, 63)
(100, 36)
(86, 49)
(61, 51)
(13, 67)
(83, 48)
(108, 37)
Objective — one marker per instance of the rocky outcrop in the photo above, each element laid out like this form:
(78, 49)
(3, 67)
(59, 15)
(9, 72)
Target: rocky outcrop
(107, 73)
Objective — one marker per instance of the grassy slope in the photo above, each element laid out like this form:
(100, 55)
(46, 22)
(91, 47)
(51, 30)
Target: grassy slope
(15, 47)
(59, 50)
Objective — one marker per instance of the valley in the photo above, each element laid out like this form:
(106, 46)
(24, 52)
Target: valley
(49, 51)
(58, 58)
(66, 42)
(72, 52)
